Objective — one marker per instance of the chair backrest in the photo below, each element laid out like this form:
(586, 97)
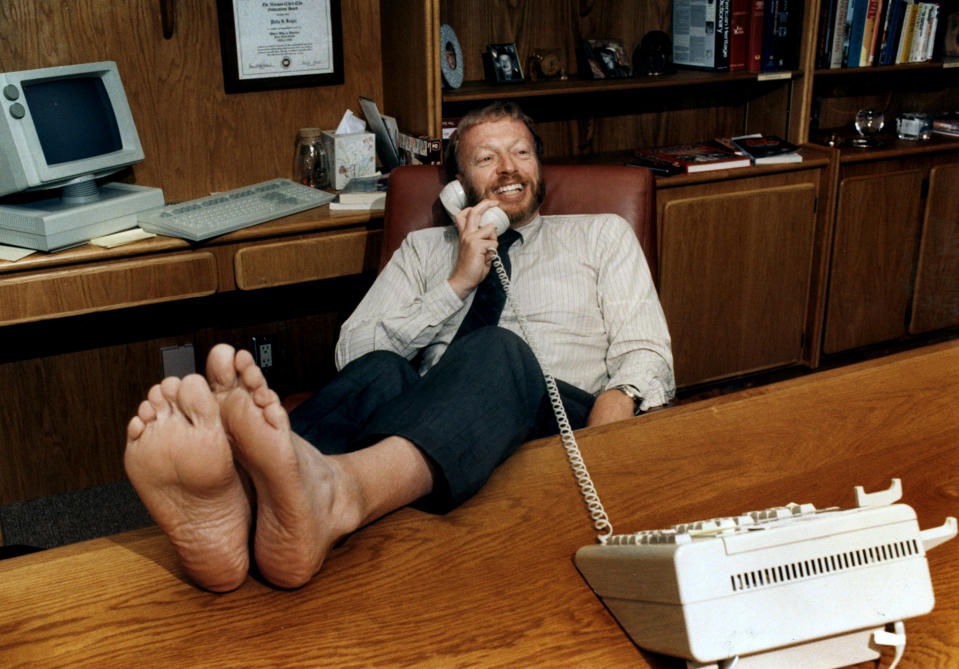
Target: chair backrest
(412, 200)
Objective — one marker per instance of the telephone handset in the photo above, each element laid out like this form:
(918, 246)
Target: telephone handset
(453, 198)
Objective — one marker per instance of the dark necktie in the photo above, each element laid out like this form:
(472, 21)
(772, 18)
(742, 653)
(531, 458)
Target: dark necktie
(490, 297)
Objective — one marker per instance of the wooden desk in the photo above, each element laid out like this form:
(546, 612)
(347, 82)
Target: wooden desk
(493, 583)
(311, 245)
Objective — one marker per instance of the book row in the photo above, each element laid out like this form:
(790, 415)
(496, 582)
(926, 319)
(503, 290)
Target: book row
(750, 35)
(861, 33)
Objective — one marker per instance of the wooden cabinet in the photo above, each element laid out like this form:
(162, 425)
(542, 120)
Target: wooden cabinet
(936, 299)
(877, 233)
(894, 259)
(738, 267)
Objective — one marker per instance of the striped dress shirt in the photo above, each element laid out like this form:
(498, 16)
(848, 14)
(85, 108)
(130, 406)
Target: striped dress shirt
(581, 281)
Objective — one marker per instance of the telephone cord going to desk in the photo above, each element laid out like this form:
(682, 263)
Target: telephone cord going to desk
(593, 504)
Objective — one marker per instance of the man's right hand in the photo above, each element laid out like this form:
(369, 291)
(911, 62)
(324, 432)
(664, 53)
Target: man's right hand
(474, 257)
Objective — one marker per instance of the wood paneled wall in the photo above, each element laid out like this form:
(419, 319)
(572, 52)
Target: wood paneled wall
(68, 387)
(196, 138)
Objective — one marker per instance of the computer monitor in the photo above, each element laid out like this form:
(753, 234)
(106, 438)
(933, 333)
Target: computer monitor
(64, 128)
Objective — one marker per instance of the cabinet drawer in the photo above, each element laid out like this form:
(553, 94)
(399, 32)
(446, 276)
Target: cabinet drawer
(299, 260)
(114, 285)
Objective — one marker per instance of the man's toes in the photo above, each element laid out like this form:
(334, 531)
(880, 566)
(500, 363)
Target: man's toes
(170, 388)
(220, 368)
(135, 428)
(276, 415)
(250, 373)
(146, 412)
(197, 402)
(162, 396)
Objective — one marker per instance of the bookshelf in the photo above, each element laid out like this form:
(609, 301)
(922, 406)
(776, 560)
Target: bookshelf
(578, 117)
(584, 120)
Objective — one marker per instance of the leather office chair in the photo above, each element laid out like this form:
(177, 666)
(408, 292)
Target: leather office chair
(412, 203)
(412, 200)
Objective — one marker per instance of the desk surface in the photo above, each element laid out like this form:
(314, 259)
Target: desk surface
(493, 583)
(311, 245)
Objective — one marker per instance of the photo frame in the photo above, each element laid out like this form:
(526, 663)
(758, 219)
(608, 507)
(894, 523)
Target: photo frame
(606, 59)
(503, 64)
(268, 46)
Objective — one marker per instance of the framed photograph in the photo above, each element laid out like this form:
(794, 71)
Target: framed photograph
(504, 63)
(270, 45)
(606, 58)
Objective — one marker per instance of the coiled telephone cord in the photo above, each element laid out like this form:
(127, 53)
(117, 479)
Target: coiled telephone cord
(593, 504)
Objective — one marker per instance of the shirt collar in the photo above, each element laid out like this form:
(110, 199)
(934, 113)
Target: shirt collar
(528, 232)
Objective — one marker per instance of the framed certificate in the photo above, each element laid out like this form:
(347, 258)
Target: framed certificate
(270, 44)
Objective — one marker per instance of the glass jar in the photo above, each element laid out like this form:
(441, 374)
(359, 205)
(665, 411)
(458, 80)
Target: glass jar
(309, 159)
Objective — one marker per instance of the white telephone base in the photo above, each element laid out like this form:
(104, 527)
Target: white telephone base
(790, 586)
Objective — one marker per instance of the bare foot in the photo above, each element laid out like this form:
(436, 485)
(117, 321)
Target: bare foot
(179, 460)
(304, 500)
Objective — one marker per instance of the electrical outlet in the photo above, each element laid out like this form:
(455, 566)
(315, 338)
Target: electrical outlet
(263, 352)
(266, 355)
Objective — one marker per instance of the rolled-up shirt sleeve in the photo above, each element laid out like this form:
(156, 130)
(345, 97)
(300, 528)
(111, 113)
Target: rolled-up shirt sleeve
(639, 352)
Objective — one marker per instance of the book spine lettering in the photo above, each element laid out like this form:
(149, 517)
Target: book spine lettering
(721, 61)
(838, 33)
(754, 50)
(738, 34)
(868, 33)
(905, 40)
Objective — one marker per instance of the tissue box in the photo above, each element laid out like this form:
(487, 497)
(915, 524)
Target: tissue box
(349, 155)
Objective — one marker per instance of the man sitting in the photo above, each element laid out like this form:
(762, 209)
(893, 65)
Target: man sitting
(206, 455)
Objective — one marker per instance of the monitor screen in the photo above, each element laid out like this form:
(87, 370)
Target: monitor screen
(64, 127)
(73, 118)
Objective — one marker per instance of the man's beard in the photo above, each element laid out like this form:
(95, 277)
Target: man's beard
(473, 197)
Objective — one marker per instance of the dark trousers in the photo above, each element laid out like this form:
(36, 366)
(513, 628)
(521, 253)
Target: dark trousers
(484, 398)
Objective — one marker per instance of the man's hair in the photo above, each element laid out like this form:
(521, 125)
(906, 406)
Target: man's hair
(494, 111)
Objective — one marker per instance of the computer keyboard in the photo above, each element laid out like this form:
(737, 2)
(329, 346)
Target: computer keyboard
(224, 212)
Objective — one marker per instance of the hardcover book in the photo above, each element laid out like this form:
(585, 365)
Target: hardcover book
(738, 34)
(693, 158)
(701, 33)
(754, 37)
(767, 149)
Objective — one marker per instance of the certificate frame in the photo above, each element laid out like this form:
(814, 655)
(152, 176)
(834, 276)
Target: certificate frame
(236, 82)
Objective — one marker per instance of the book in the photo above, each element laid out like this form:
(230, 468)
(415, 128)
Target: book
(693, 158)
(420, 150)
(905, 38)
(869, 32)
(781, 28)
(368, 184)
(701, 34)
(856, 31)
(767, 149)
(657, 166)
(375, 198)
(838, 34)
(890, 45)
(738, 34)
(882, 25)
(947, 124)
(754, 37)
(824, 33)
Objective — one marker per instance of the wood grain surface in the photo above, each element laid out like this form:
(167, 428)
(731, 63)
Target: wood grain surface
(492, 584)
